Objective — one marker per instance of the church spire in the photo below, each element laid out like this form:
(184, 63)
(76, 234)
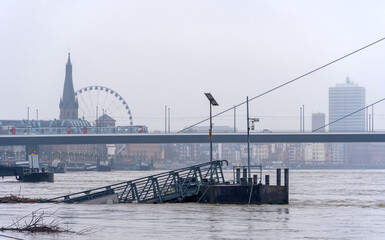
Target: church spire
(68, 103)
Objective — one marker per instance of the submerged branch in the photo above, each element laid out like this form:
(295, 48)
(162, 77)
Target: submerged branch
(17, 199)
(36, 224)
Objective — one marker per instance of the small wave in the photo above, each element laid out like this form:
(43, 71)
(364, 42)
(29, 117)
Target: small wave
(337, 203)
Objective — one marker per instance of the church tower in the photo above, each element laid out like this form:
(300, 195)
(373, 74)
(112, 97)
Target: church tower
(69, 105)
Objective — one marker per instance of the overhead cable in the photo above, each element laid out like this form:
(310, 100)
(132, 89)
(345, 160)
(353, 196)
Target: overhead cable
(286, 83)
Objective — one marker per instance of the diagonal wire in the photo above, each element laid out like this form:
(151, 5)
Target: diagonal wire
(315, 130)
(286, 83)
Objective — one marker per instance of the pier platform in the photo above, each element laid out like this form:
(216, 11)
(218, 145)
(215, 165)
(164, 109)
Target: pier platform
(202, 183)
(248, 192)
(243, 194)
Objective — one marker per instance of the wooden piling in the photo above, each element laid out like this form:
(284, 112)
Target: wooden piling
(287, 185)
(255, 177)
(238, 175)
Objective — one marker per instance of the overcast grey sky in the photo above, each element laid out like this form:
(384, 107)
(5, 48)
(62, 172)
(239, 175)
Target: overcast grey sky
(157, 53)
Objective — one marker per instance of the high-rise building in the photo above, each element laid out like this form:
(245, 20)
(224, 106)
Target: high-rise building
(345, 99)
(318, 122)
(69, 105)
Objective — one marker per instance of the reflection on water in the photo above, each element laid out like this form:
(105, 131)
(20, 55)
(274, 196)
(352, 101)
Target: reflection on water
(323, 204)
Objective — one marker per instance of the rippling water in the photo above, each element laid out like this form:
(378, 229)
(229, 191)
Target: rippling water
(324, 204)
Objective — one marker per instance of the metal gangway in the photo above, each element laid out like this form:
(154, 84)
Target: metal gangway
(162, 187)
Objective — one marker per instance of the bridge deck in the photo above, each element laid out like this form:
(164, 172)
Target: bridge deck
(8, 140)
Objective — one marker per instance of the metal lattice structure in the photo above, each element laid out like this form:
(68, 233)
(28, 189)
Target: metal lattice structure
(107, 101)
(158, 188)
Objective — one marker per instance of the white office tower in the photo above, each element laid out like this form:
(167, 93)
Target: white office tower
(345, 99)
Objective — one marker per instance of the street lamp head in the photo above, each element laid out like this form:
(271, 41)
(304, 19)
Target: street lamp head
(211, 99)
(254, 119)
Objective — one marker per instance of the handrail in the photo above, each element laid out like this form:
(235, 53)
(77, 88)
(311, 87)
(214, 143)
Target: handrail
(154, 187)
(251, 167)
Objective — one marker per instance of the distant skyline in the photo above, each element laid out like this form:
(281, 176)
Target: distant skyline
(157, 53)
(345, 99)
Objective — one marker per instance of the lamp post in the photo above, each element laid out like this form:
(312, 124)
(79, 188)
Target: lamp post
(212, 103)
(96, 121)
(28, 120)
(248, 137)
(169, 124)
(165, 119)
(303, 116)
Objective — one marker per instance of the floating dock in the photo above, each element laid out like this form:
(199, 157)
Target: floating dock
(27, 174)
(247, 192)
(203, 183)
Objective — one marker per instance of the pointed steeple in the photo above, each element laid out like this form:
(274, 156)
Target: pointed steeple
(68, 103)
(69, 59)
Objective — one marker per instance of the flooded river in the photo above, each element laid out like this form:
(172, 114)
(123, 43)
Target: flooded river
(324, 204)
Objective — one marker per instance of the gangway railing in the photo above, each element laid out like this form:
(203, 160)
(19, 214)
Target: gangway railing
(160, 187)
(237, 173)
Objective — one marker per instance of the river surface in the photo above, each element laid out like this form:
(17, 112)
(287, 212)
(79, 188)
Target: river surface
(324, 204)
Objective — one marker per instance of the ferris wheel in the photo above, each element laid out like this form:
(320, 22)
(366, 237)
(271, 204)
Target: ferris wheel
(95, 101)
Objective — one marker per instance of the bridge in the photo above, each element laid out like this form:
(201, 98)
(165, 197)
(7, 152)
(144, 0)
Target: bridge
(11, 140)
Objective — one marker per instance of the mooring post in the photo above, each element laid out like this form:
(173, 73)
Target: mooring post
(245, 173)
(267, 180)
(238, 175)
(287, 184)
(278, 177)
(255, 179)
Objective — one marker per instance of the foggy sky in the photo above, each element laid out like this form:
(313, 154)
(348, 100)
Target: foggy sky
(157, 53)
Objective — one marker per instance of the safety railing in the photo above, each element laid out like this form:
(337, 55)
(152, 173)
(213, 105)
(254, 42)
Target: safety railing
(160, 187)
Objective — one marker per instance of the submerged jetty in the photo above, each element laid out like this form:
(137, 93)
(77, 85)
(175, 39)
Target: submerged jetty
(203, 183)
